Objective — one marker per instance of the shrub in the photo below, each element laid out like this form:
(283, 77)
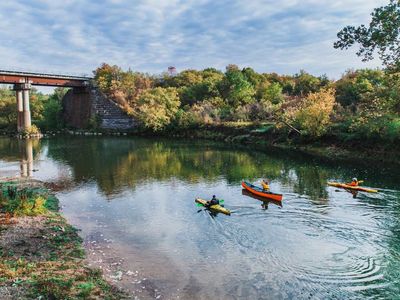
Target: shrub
(156, 108)
(32, 130)
(208, 111)
(393, 129)
(23, 202)
(313, 116)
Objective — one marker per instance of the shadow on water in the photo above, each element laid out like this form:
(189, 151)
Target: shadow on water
(212, 212)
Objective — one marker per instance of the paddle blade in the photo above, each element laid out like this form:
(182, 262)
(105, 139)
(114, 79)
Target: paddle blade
(199, 204)
(221, 201)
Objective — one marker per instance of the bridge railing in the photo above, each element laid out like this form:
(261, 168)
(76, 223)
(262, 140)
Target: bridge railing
(31, 72)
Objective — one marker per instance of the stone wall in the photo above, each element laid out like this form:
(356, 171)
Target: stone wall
(77, 108)
(81, 106)
(111, 115)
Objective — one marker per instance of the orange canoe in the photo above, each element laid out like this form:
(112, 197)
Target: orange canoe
(260, 192)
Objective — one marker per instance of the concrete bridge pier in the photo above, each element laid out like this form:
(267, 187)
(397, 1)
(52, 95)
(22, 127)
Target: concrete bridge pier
(27, 110)
(20, 110)
(23, 107)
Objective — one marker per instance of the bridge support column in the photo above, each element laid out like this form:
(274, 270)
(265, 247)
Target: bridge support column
(20, 110)
(23, 107)
(27, 111)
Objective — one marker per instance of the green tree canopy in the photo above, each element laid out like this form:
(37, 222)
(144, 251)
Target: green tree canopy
(382, 35)
(235, 88)
(358, 86)
(8, 108)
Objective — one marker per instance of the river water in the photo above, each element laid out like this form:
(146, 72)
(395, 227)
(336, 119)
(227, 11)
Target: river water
(138, 196)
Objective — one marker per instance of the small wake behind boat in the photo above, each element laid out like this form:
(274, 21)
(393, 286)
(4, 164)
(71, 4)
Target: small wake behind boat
(217, 208)
(260, 192)
(351, 187)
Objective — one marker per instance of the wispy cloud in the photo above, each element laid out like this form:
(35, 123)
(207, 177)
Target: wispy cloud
(270, 36)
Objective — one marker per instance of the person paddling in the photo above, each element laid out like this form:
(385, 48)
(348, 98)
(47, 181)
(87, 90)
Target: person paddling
(354, 182)
(213, 201)
(265, 185)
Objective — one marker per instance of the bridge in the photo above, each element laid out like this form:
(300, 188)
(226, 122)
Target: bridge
(23, 81)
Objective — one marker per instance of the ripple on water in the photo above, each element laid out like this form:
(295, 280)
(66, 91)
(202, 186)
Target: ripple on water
(336, 280)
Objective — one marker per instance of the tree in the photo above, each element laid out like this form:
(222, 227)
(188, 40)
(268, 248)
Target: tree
(124, 87)
(381, 35)
(202, 90)
(8, 108)
(252, 76)
(108, 78)
(37, 100)
(52, 119)
(306, 83)
(271, 93)
(358, 86)
(156, 108)
(313, 116)
(235, 88)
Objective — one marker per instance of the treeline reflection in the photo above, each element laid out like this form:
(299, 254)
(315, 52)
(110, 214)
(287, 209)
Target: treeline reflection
(114, 163)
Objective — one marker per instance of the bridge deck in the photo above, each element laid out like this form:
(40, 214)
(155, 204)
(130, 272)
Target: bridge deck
(42, 79)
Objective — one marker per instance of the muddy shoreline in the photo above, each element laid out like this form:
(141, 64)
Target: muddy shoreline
(41, 256)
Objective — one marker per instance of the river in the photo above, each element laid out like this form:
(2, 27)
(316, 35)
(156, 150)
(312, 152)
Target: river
(135, 198)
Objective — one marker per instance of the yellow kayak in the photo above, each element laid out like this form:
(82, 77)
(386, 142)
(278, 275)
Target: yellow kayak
(217, 208)
(351, 187)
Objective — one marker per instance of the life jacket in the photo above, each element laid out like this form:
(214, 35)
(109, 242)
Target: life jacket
(213, 202)
(265, 185)
(354, 183)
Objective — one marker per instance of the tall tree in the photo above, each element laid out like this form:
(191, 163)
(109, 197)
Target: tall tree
(157, 107)
(382, 35)
(235, 88)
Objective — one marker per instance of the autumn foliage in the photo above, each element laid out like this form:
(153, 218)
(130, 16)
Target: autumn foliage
(363, 103)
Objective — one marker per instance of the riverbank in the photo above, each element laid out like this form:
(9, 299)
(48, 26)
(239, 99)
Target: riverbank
(267, 136)
(41, 255)
(336, 147)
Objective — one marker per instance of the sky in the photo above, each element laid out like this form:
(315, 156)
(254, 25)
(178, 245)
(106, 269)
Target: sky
(76, 36)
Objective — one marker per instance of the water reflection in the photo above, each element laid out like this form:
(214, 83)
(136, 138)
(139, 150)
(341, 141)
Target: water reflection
(117, 163)
(114, 164)
(322, 243)
(24, 151)
(27, 159)
(265, 202)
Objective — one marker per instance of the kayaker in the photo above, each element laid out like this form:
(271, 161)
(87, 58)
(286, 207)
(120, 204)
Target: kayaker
(354, 182)
(213, 201)
(265, 185)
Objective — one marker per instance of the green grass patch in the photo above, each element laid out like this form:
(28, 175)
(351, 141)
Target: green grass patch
(58, 272)
(26, 201)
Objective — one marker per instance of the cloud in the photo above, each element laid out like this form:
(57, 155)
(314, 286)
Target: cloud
(148, 36)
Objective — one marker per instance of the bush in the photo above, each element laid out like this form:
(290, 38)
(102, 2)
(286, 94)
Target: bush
(313, 116)
(32, 130)
(393, 129)
(24, 202)
(208, 111)
(157, 108)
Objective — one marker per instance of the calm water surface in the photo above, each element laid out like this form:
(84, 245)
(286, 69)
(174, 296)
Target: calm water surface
(322, 243)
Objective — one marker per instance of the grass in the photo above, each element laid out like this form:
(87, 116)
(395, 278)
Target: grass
(56, 280)
(56, 270)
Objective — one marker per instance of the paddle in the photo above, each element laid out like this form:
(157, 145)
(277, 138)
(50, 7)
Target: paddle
(360, 181)
(221, 201)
